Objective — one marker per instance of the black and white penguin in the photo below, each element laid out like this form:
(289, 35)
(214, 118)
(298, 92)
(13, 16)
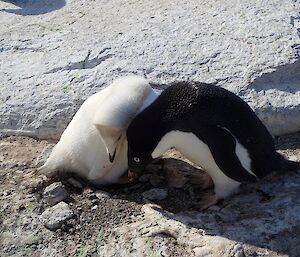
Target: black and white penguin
(213, 128)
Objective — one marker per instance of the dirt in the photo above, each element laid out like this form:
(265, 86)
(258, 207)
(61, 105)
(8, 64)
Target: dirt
(21, 203)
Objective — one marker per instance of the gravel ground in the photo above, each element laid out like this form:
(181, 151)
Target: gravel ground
(104, 219)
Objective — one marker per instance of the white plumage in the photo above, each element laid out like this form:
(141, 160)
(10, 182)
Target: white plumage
(97, 132)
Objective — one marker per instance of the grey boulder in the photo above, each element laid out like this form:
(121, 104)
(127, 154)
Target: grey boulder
(51, 62)
(55, 216)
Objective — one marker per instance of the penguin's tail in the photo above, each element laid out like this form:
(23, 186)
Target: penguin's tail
(48, 169)
(286, 165)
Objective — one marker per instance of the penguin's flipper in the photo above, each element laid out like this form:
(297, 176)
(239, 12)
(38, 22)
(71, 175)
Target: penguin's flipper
(223, 147)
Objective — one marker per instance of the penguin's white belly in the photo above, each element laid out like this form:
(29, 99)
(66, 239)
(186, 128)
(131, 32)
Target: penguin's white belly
(199, 153)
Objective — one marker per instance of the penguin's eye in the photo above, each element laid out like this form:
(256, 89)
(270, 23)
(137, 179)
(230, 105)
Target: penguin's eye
(136, 159)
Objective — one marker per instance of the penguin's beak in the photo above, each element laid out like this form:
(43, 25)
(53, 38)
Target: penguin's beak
(133, 175)
(136, 169)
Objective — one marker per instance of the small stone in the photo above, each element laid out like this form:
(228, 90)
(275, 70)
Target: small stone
(19, 171)
(144, 178)
(55, 193)
(238, 251)
(55, 216)
(94, 208)
(88, 192)
(155, 194)
(44, 155)
(157, 181)
(94, 201)
(75, 183)
(102, 195)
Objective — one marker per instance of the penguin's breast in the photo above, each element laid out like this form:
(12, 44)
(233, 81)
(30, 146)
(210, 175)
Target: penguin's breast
(189, 145)
(198, 152)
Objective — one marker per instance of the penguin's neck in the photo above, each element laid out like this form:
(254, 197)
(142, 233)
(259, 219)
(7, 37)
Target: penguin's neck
(149, 100)
(182, 141)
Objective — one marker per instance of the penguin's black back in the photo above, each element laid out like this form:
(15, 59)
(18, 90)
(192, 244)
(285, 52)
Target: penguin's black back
(200, 108)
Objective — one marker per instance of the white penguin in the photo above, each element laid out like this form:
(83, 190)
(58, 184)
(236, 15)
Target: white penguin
(94, 144)
(213, 128)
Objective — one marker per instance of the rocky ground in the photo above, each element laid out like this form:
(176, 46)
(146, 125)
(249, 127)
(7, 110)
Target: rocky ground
(54, 54)
(154, 216)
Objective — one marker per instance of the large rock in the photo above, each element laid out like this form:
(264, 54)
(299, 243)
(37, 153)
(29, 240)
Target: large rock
(55, 193)
(55, 216)
(54, 55)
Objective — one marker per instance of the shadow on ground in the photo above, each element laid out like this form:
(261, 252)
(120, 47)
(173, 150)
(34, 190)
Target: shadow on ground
(284, 78)
(284, 142)
(263, 215)
(32, 7)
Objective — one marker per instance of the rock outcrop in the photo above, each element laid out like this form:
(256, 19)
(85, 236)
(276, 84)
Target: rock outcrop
(54, 54)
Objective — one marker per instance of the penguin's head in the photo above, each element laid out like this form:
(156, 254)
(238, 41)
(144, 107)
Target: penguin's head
(126, 97)
(137, 161)
(143, 136)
